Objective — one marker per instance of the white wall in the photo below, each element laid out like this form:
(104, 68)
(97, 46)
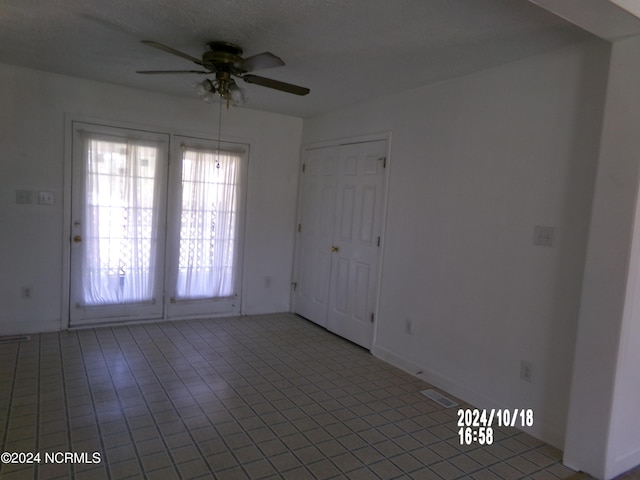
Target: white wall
(604, 420)
(33, 106)
(476, 163)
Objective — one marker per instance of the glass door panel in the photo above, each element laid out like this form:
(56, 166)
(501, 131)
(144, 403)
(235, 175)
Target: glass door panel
(117, 250)
(205, 227)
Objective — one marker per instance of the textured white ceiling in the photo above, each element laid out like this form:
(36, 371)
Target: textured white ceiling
(344, 51)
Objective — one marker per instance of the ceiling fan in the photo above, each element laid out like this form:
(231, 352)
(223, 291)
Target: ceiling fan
(225, 61)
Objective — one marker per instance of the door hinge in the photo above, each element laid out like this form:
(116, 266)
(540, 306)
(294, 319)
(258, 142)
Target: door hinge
(384, 161)
(372, 317)
(299, 227)
(304, 167)
(378, 241)
(294, 285)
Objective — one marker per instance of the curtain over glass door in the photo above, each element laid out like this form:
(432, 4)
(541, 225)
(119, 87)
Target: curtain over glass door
(118, 208)
(206, 212)
(148, 241)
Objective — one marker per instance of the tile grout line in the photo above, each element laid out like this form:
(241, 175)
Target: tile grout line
(161, 384)
(38, 402)
(116, 390)
(10, 404)
(172, 401)
(266, 457)
(291, 451)
(81, 349)
(325, 456)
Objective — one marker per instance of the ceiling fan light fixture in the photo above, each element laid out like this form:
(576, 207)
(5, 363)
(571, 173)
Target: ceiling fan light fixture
(204, 87)
(236, 96)
(209, 97)
(226, 88)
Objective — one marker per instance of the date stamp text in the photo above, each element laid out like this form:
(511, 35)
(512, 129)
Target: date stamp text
(476, 425)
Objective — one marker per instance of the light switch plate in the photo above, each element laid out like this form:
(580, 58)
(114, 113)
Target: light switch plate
(24, 196)
(46, 198)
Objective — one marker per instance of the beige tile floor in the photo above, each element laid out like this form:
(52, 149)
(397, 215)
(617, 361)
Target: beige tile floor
(255, 397)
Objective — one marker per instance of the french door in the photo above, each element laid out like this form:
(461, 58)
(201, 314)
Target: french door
(152, 239)
(205, 228)
(339, 237)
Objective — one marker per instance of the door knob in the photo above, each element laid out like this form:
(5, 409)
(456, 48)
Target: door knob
(77, 239)
(334, 249)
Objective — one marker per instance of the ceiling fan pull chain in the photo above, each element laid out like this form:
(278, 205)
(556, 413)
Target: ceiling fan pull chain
(219, 133)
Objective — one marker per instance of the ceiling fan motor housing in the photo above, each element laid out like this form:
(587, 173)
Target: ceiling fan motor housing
(222, 53)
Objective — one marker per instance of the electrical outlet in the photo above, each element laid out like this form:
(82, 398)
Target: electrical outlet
(408, 326)
(543, 236)
(525, 371)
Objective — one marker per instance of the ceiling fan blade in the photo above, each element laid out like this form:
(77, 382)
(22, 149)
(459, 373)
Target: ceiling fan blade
(260, 61)
(157, 72)
(173, 51)
(276, 84)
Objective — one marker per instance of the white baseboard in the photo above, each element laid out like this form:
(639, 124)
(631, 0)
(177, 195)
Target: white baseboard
(540, 430)
(28, 328)
(623, 463)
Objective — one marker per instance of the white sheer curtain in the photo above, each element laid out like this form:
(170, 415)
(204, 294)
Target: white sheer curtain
(120, 225)
(208, 224)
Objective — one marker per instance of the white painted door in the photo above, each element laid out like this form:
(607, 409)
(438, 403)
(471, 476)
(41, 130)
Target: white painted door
(339, 254)
(356, 241)
(315, 233)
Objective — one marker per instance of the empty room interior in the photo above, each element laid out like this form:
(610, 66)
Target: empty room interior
(320, 239)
